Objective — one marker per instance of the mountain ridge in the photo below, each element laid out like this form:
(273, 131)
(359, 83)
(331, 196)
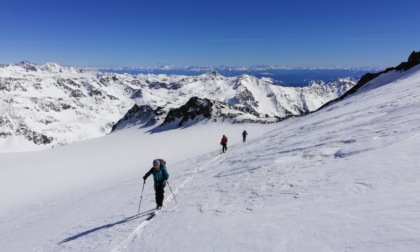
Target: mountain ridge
(53, 105)
(413, 60)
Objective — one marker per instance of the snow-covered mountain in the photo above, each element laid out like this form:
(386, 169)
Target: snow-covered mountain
(227, 68)
(234, 99)
(344, 178)
(50, 104)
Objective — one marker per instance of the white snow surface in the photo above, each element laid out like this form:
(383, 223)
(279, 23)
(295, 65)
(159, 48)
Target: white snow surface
(345, 178)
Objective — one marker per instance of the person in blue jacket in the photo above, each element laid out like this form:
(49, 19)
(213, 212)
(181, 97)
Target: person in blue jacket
(160, 176)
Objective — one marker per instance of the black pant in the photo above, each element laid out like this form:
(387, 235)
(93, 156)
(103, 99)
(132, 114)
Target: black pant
(224, 148)
(159, 193)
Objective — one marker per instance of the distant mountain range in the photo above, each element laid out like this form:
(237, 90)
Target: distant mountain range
(52, 105)
(281, 75)
(228, 68)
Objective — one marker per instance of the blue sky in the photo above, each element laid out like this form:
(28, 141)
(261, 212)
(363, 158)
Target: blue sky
(348, 33)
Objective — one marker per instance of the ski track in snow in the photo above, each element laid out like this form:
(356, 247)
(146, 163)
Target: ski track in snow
(212, 157)
(138, 230)
(100, 216)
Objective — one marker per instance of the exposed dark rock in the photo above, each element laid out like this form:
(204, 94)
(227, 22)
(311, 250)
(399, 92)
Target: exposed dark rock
(192, 109)
(76, 94)
(135, 116)
(413, 59)
(38, 86)
(137, 94)
(111, 97)
(37, 138)
(95, 92)
(158, 85)
(65, 106)
(5, 134)
(28, 66)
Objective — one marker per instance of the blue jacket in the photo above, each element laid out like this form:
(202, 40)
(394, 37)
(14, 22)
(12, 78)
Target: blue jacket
(159, 176)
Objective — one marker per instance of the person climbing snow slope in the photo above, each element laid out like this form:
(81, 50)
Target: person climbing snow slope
(223, 142)
(160, 176)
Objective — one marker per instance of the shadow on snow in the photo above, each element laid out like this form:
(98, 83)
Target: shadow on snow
(134, 217)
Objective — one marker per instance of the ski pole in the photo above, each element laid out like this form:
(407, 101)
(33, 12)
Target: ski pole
(171, 191)
(141, 198)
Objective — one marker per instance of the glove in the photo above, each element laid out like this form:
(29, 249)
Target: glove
(144, 178)
(164, 183)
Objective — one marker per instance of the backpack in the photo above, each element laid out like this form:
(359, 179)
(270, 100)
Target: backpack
(163, 168)
(162, 162)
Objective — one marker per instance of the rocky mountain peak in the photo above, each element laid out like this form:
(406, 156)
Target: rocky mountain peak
(192, 110)
(29, 66)
(143, 115)
(414, 58)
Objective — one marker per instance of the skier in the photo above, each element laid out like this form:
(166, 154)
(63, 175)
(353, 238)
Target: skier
(223, 142)
(244, 134)
(160, 175)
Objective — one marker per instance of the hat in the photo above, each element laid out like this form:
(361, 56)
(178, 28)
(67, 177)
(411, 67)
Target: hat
(156, 163)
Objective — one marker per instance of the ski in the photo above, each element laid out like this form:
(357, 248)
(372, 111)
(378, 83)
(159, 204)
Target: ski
(156, 212)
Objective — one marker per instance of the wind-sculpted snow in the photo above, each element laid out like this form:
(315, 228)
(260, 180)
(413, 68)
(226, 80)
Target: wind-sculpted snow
(60, 105)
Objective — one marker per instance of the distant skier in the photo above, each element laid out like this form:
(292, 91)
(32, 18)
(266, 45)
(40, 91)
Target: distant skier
(244, 134)
(160, 175)
(223, 142)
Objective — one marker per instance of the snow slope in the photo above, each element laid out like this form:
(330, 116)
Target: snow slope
(343, 179)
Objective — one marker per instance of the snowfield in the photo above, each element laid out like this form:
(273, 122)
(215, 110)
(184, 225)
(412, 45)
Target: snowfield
(345, 178)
